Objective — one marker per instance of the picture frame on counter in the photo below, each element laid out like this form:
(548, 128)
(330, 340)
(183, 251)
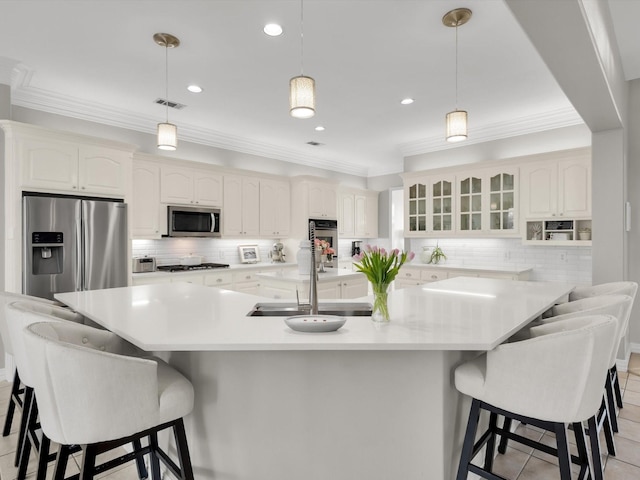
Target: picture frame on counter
(249, 253)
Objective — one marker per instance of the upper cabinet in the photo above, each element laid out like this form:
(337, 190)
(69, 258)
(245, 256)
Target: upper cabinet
(145, 202)
(189, 186)
(557, 188)
(275, 208)
(241, 213)
(479, 202)
(357, 213)
(322, 200)
(73, 167)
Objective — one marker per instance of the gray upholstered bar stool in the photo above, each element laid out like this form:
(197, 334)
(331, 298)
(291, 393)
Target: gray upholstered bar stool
(615, 305)
(20, 315)
(522, 381)
(17, 389)
(618, 305)
(611, 288)
(102, 400)
(17, 316)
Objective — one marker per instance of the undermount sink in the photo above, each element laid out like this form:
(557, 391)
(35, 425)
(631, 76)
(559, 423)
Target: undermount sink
(353, 309)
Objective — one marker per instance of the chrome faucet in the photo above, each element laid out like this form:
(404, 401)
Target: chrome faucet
(313, 274)
(312, 306)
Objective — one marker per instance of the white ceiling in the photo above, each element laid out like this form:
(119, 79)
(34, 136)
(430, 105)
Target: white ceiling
(97, 60)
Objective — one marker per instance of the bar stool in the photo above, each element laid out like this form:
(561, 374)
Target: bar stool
(17, 316)
(102, 400)
(611, 288)
(618, 305)
(17, 389)
(522, 381)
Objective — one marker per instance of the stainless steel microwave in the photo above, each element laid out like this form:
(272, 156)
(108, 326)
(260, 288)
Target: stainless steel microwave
(193, 222)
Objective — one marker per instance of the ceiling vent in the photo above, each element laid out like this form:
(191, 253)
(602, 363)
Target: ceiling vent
(169, 103)
(315, 144)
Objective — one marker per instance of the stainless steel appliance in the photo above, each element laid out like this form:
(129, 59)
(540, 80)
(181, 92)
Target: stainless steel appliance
(143, 264)
(327, 230)
(356, 247)
(72, 244)
(277, 252)
(193, 222)
(182, 268)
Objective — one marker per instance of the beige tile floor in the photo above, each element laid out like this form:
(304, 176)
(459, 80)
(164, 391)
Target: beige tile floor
(519, 463)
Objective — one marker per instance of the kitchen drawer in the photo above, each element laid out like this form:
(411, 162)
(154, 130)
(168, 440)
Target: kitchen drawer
(219, 279)
(250, 276)
(189, 278)
(409, 274)
(400, 283)
(461, 273)
(433, 275)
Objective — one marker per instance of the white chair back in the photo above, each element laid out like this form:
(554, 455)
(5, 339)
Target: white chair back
(611, 288)
(80, 381)
(617, 305)
(557, 375)
(22, 314)
(5, 299)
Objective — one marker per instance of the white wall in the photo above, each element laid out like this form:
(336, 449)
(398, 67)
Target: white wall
(633, 182)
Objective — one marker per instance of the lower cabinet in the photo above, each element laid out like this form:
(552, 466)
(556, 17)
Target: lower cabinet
(350, 287)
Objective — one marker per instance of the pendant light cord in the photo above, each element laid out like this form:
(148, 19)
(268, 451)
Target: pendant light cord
(456, 67)
(166, 70)
(302, 37)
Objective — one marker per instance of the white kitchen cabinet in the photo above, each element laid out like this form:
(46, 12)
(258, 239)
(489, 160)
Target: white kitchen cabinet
(407, 277)
(241, 215)
(188, 186)
(220, 279)
(346, 214)
(149, 279)
(556, 188)
(429, 205)
(73, 167)
(145, 207)
(487, 202)
(275, 208)
(197, 278)
(358, 214)
(354, 288)
(322, 200)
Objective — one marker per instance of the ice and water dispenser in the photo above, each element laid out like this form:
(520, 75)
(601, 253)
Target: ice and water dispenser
(47, 255)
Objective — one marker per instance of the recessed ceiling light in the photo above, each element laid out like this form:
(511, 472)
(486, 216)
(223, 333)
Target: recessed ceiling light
(272, 29)
(406, 101)
(319, 128)
(194, 88)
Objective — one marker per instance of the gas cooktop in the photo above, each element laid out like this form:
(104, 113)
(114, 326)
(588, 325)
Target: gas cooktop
(182, 268)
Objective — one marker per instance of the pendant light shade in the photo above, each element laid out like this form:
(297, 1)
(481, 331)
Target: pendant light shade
(456, 120)
(302, 89)
(167, 132)
(167, 136)
(302, 97)
(456, 126)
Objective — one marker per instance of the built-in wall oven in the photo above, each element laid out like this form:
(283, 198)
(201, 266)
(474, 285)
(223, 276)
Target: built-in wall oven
(327, 230)
(193, 222)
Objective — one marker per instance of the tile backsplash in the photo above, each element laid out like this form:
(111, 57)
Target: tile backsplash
(559, 264)
(550, 263)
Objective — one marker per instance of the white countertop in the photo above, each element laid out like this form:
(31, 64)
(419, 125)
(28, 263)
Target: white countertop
(462, 313)
(293, 276)
(515, 269)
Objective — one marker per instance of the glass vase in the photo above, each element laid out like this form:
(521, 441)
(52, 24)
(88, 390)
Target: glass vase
(380, 311)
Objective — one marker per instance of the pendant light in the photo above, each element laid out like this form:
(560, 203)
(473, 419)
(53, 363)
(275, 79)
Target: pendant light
(167, 132)
(302, 89)
(457, 119)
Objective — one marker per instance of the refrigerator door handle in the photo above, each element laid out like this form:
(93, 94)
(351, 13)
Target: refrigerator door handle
(79, 255)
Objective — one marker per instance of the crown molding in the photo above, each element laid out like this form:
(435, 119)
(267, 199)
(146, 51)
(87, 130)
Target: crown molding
(51, 102)
(564, 117)
(42, 100)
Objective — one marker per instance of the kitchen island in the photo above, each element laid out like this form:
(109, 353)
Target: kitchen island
(367, 401)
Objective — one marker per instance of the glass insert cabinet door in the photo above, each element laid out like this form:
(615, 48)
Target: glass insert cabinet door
(501, 202)
(441, 203)
(470, 199)
(417, 204)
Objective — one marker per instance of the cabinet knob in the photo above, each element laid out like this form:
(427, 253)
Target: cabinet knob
(75, 187)
(83, 188)
(408, 274)
(434, 277)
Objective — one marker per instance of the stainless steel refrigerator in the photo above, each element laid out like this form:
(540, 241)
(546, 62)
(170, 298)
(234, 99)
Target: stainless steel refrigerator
(72, 244)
